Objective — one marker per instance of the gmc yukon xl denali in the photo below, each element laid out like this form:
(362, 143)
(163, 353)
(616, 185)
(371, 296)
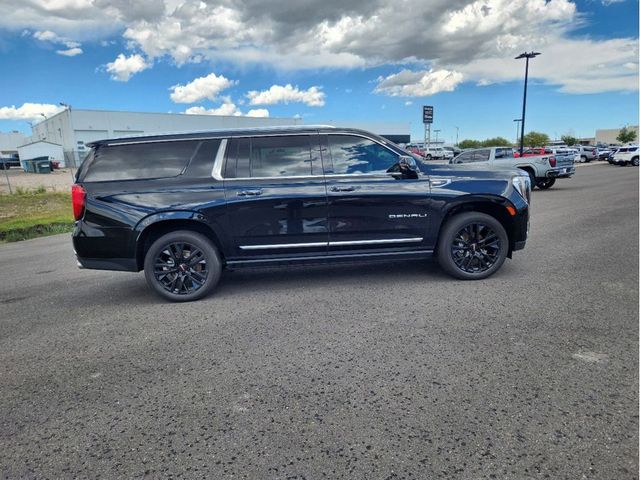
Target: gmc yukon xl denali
(183, 207)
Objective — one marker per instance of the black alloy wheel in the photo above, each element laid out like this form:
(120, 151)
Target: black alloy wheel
(545, 183)
(182, 266)
(635, 162)
(472, 246)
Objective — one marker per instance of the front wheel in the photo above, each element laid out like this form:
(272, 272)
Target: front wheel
(428, 157)
(635, 162)
(182, 266)
(472, 246)
(545, 183)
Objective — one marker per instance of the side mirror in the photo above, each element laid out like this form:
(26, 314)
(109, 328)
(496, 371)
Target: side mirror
(407, 162)
(405, 168)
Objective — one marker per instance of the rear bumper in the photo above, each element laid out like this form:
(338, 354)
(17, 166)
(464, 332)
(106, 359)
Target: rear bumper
(120, 264)
(563, 172)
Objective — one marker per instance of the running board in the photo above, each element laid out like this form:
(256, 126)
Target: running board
(330, 258)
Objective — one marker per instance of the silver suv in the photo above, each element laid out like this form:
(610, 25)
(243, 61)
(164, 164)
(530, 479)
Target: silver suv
(586, 152)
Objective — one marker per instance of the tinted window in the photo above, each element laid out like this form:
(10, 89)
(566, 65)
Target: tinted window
(504, 153)
(278, 156)
(355, 155)
(140, 161)
(464, 157)
(481, 155)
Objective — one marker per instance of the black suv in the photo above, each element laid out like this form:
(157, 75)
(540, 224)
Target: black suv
(182, 207)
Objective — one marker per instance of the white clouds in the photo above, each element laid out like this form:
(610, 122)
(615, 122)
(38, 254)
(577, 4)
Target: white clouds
(73, 48)
(419, 84)
(312, 97)
(29, 111)
(71, 52)
(200, 88)
(227, 108)
(258, 112)
(46, 36)
(461, 37)
(123, 68)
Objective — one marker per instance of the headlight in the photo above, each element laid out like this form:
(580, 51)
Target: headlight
(522, 184)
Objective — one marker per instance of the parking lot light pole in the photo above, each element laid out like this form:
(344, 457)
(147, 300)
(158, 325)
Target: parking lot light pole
(517, 120)
(527, 56)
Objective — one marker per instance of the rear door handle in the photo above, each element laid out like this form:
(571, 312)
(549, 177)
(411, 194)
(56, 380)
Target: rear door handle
(343, 189)
(249, 193)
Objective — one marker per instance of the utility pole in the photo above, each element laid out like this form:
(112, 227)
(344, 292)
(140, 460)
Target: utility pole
(517, 120)
(527, 56)
(457, 131)
(437, 132)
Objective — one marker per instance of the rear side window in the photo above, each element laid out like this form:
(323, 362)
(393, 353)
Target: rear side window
(271, 157)
(140, 161)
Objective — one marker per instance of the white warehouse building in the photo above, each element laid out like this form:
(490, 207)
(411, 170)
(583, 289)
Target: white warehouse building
(74, 128)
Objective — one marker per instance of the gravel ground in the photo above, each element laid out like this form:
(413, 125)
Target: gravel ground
(58, 180)
(374, 371)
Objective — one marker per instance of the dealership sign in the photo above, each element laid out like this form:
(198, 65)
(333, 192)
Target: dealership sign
(427, 114)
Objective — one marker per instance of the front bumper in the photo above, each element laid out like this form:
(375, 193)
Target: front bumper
(563, 172)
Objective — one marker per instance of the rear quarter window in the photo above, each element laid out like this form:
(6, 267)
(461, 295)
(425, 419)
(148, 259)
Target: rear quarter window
(139, 161)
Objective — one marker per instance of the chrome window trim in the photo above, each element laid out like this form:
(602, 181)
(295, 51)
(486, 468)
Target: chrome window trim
(299, 177)
(216, 171)
(331, 244)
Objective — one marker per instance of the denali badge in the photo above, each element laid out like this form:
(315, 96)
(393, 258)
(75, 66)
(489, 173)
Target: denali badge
(408, 215)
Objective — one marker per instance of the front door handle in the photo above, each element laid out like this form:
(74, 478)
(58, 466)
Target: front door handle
(249, 193)
(343, 189)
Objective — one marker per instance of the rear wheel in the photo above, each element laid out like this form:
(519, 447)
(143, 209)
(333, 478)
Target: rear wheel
(545, 183)
(472, 246)
(428, 157)
(635, 162)
(532, 178)
(583, 158)
(182, 266)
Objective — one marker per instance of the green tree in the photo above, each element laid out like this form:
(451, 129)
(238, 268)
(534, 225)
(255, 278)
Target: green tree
(469, 144)
(626, 135)
(536, 139)
(569, 140)
(495, 142)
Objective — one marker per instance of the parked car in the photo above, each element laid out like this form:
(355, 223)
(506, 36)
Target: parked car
(626, 156)
(182, 207)
(543, 170)
(586, 152)
(437, 153)
(8, 162)
(454, 150)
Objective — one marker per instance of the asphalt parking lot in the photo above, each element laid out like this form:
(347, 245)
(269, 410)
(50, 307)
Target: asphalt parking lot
(367, 371)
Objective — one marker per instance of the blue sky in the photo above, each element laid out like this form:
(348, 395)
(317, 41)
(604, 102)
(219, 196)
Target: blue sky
(342, 62)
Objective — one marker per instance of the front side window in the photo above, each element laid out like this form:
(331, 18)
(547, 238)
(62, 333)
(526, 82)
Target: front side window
(464, 157)
(358, 155)
(139, 161)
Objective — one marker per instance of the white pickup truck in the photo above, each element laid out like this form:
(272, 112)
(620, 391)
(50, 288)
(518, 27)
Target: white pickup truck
(542, 169)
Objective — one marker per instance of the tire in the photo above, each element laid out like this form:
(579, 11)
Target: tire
(186, 282)
(583, 159)
(532, 178)
(545, 183)
(635, 162)
(428, 157)
(453, 251)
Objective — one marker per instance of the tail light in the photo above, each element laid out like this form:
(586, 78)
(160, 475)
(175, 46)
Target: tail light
(552, 161)
(78, 197)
